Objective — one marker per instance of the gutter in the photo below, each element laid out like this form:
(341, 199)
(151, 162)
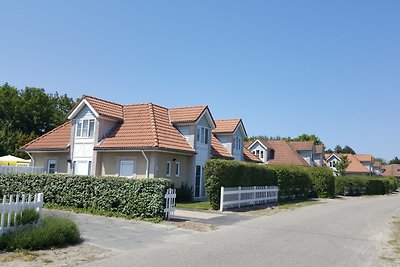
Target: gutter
(147, 164)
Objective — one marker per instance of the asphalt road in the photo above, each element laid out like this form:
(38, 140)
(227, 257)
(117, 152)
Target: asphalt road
(338, 233)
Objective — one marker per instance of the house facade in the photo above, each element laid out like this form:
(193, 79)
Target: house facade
(360, 164)
(136, 141)
(302, 153)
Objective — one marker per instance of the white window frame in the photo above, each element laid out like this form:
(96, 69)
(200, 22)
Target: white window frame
(52, 161)
(203, 135)
(80, 129)
(262, 154)
(133, 171)
(169, 168)
(177, 169)
(237, 143)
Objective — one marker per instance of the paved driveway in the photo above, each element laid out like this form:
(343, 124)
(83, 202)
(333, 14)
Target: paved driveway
(338, 233)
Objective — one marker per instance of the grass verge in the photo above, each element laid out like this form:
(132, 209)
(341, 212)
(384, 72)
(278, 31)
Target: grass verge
(392, 254)
(195, 205)
(53, 232)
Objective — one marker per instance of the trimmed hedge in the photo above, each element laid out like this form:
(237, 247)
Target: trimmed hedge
(365, 185)
(294, 182)
(141, 198)
(323, 182)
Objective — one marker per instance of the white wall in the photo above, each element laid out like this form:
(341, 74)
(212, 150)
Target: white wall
(258, 146)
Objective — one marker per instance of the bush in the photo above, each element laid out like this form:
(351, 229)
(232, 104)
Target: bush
(323, 182)
(54, 232)
(229, 173)
(360, 185)
(142, 198)
(184, 193)
(294, 182)
(28, 216)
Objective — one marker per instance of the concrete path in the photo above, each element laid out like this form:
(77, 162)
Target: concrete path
(338, 233)
(210, 217)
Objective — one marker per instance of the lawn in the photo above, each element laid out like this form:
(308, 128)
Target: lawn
(195, 205)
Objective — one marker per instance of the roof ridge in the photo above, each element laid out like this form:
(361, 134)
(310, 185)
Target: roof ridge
(228, 119)
(45, 134)
(153, 124)
(200, 106)
(103, 100)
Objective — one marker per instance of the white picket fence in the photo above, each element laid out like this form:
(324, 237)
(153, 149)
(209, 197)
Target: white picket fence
(10, 209)
(236, 197)
(170, 197)
(21, 169)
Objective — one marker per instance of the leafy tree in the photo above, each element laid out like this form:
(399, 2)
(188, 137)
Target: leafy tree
(302, 137)
(307, 137)
(26, 114)
(381, 160)
(396, 160)
(330, 151)
(345, 150)
(342, 165)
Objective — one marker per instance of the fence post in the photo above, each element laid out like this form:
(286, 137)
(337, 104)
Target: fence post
(240, 194)
(40, 201)
(221, 201)
(254, 196)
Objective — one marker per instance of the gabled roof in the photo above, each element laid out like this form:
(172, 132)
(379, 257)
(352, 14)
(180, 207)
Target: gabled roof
(377, 164)
(285, 154)
(100, 106)
(250, 157)
(57, 139)
(228, 126)
(355, 165)
(218, 151)
(186, 114)
(145, 126)
(319, 149)
(302, 145)
(364, 157)
(391, 170)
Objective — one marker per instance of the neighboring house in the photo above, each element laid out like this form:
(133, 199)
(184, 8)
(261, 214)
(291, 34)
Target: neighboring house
(360, 164)
(391, 170)
(137, 141)
(377, 168)
(319, 155)
(276, 152)
(231, 133)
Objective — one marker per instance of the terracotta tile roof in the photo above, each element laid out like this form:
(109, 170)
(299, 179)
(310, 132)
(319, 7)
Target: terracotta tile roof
(355, 165)
(186, 114)
(56, 139)
(145, 126)
(226, 126)
(218, 151)
(319, 149)
(105, 108)
(391, 170)
(377, 164)
(284, 154)
(302, 145)
(364, 157)
(250, 157)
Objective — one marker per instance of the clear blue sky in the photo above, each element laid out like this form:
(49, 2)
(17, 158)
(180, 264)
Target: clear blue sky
(330, 68)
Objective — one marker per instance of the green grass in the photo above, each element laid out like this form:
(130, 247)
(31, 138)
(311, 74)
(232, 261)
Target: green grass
(53, 232)
(298, 204)
(195, 205)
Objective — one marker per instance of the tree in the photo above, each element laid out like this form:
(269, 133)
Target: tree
(26, 114)
(381, 160)
(345, 150)
(342, 165)
(307, 137)
(396, 160)
(330, 151)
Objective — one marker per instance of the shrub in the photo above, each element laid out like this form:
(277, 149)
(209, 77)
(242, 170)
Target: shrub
(54, 232)
(184, 193)
(323, 182)
(233, 173)
(294, 182)
(360, 185)
(143, 198)
(28, 216)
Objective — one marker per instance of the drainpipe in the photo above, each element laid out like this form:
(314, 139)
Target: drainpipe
(32, 160)
(147, 164)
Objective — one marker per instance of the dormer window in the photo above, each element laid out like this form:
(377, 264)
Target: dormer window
(85, 128)
(202, 135)
(237, 142)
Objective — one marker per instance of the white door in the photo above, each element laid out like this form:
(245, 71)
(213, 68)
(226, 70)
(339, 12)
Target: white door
(126, 168)
(82, 168)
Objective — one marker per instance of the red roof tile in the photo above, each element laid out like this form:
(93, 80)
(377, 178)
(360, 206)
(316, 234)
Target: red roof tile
(105, 108)
(364, 157)
(186, 114)
(226, 126)
(319, 149)
(391, 170)
(56, 139)
(285, 154)
(218, 151)
(355, 165)
(145, 126)
(302, 145)
(250, 157)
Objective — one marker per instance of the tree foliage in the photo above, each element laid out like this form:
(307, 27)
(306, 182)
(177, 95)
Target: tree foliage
(342, 165)
(396, 160)
(344, 150)
(302, 137)
(28, 113)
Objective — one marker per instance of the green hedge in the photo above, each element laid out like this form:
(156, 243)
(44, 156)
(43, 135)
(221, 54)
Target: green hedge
(323, 182)
(365, 185)
(294, 182)
(142, 198)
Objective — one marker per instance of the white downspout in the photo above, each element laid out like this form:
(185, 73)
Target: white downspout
(147, 164)
(32, 160)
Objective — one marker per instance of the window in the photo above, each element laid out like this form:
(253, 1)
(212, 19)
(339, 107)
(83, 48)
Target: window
(257, 153)
(332, 163)
(85, 128)
(168, 168)
(262, 154)
(203, 135)
(237, 142)
(178, 169)
(197, 183)
(126, 168)
(51, 166)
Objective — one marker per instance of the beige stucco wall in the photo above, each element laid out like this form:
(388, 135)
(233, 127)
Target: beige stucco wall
(161, 171)
(108, 163)
(41, 160)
